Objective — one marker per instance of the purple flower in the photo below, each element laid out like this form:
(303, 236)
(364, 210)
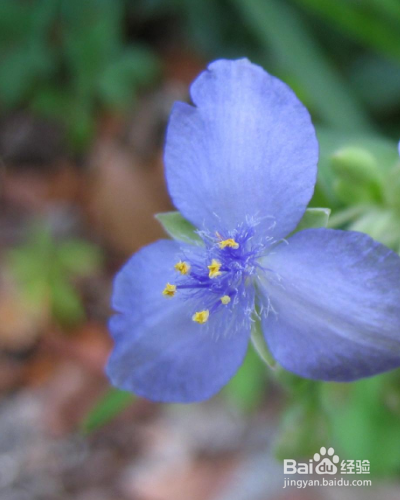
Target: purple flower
(241, 166)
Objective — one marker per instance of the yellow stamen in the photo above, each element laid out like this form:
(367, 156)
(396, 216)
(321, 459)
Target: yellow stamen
(182, 267)
(201, 316)
(214, 268)
(225, 299)
(230, 242)
(169, 290)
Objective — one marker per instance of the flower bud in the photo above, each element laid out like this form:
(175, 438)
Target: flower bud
(359, 177)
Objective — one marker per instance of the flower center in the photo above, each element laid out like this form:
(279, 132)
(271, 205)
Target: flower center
(215, 276)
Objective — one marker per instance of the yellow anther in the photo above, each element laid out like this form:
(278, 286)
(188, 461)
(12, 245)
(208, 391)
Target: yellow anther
(225, 299)
(182, 267)
(201, 316)
(169, 290)
(230, 242)
(214, 268)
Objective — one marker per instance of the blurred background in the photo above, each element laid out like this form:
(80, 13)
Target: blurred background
(85, 92)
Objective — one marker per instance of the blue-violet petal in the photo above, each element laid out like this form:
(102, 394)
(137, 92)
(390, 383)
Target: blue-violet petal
(160, 352)
(246, 150)
(332, 305)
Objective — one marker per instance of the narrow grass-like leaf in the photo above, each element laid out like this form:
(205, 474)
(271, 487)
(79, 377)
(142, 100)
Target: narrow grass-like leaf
(108, 407)
(389, 8)
(356, 21)
(280, 30)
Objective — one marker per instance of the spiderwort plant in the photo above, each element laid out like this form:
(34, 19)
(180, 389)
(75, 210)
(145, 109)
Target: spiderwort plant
(241, 166)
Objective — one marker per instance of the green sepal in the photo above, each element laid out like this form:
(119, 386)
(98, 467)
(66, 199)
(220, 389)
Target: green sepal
(179, 228)
(259, 344)
(313, 218)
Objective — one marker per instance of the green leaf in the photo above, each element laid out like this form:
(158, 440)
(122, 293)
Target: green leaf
(92, 39)
(353, 19)
(79, 258)
(365, 409)
(118, 84)
(179, 228)
(52, 102)
(314, 217)
(81, 124)
(304, 428)
(108, 407)
(67, 307)
(15, 21)
(388, 8)
(43, 268)
(20, 70)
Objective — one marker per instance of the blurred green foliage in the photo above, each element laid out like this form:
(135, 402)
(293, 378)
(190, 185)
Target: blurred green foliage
(247, 389)
(69, 59)
(66, 59)
(359, 177)
(364, 418)
(45, 269)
